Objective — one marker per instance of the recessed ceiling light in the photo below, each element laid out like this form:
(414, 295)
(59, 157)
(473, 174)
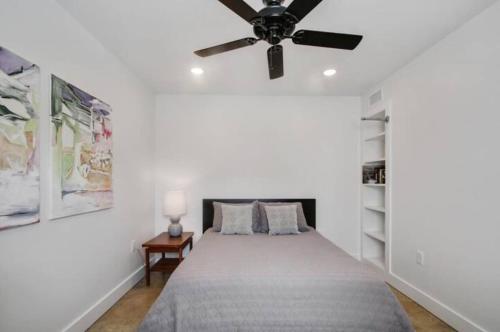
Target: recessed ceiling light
(329, 72)
(197, 71)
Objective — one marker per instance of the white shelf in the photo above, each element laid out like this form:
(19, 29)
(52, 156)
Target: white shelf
(377, 137)
(377, 262)
(375, 208)
(378, 114)
(375, 161)
(374, 185)
(377, 235)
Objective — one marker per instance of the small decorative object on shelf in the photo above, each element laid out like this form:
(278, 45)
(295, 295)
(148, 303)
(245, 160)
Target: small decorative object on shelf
(381, 176)
(174, 208)
(374, 174)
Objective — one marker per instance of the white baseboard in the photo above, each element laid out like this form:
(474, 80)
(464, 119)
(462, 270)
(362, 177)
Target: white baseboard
(441, 310)
(85, 320)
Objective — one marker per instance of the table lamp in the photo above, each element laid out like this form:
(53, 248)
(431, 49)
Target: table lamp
(174, 207)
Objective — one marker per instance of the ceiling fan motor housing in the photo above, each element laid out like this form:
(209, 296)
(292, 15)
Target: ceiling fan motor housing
(273, 2)
(274, 23)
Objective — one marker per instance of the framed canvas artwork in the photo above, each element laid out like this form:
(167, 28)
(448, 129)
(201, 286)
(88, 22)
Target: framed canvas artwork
(19, 149)
(82, 155)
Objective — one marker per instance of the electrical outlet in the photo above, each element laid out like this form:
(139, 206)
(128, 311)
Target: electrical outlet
(132, 246)
(420, 257)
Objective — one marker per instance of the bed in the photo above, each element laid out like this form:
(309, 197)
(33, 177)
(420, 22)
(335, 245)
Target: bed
(273, 283)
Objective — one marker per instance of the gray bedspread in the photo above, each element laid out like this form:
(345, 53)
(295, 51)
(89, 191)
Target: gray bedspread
(279, 283)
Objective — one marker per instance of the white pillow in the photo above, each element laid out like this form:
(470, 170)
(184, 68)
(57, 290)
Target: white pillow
(282, 219)
(237, 219)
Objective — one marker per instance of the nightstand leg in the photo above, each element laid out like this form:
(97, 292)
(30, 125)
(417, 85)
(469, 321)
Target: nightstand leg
(148, 280)
(190, 244)
(180, 255)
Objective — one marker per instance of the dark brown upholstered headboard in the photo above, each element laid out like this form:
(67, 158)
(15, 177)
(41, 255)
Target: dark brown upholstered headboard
(308, 205)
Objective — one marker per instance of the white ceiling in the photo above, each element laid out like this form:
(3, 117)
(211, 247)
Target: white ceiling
(156, 39)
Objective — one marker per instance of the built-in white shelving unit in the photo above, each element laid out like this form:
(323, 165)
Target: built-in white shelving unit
(375, 240)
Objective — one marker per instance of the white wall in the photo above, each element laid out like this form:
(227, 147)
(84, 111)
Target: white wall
(446, 175)
(264, 147)
(52, 272)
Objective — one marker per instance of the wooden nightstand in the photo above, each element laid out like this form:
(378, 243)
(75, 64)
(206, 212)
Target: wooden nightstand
(165, 243)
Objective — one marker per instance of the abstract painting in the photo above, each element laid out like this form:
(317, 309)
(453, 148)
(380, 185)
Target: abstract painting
(19, 152)
(82, 155)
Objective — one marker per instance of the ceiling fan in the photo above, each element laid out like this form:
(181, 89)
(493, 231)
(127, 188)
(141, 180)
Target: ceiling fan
(275, 23)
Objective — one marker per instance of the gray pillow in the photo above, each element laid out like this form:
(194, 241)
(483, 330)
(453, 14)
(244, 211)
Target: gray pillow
(301, 218)
(217, 223)
(237, 219)
(282, 219)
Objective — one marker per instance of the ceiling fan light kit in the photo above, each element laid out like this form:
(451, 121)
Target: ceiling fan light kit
(273, 24)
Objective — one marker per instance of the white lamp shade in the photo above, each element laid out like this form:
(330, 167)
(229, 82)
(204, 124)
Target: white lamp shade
(174, 204)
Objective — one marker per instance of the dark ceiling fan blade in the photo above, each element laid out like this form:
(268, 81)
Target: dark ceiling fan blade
(241, 8)
(327, 39)
(226, 47)
(300, 8)
(275, 61)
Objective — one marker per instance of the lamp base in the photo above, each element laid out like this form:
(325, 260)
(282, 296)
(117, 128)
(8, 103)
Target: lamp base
(175, 228)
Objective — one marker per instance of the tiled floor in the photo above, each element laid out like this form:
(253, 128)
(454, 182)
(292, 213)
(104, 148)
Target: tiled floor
(127, 314)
